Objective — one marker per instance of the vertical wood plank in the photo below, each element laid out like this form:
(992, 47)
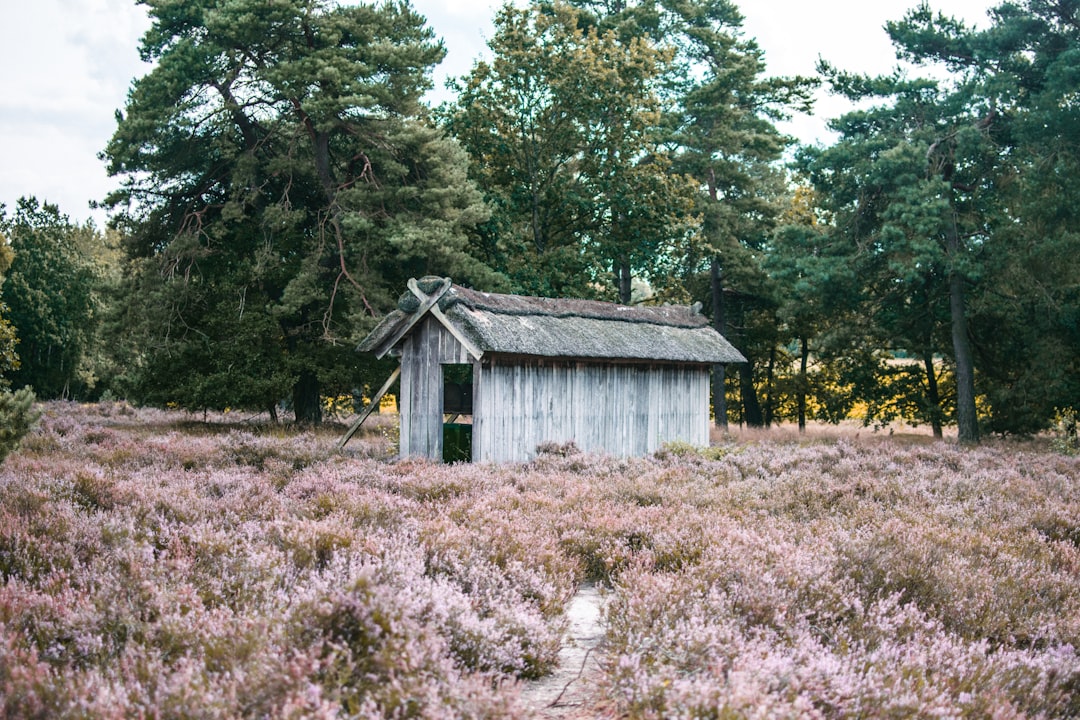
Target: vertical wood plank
(619, 409)
(478, 414)
(405, 408)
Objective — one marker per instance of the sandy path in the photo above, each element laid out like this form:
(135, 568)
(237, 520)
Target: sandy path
(570, 691)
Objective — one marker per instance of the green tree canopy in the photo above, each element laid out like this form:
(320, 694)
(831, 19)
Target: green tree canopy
(1022, 75)
(727, 109)
(9, 358)
(952, 197)
(719, 110)
(50, 291)
(280, 183)
(17, 412)
(562, 127)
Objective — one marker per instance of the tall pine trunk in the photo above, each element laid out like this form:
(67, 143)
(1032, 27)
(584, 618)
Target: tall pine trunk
(933, 394)
(770, 387)
(719, 323)
(804, 356)
(751, 406)
(967, 420)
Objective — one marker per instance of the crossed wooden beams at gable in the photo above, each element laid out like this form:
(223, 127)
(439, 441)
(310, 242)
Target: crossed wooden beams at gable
(428, 304)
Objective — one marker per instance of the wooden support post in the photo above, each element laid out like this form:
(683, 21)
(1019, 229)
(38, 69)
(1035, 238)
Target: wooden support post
(369, 409)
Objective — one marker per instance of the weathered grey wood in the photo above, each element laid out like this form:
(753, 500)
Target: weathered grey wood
(369, 409)
(547, 377)
(434, 308)
(424, 352)
(431, 404)
(478, 395)
(465, 342)
(618, 409)
(427, 302)
(621, 409)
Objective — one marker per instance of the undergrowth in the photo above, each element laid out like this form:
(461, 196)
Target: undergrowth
(153, 568)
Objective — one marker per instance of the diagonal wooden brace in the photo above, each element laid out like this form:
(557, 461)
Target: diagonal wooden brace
(426, 303)
(369, 409)
(425, 300)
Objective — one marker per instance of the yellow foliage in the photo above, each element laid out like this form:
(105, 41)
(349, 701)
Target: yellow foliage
(337, 405)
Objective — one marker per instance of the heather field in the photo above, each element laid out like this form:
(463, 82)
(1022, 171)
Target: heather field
(155, 565)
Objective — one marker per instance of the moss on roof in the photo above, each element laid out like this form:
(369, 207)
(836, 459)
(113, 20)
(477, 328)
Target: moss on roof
(549, 327)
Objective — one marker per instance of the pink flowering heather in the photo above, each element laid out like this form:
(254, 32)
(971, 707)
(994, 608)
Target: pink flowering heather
(153, 571)
(844, 580)
(157, 565)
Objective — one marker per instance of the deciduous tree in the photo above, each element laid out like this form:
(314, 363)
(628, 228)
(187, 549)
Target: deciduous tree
(51, 294)
(562, 127)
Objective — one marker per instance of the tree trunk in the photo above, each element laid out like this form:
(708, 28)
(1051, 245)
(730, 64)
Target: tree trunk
(933, 395)
(719, 396)
(770, 381)
(804, 355)
(751, 406)
(305, 397)
(967, 419)
(538, 236)
(624, 278)
(719, 323)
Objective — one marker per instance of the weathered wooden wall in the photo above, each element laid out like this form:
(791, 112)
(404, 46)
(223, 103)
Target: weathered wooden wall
(424, 351)
(618, 409)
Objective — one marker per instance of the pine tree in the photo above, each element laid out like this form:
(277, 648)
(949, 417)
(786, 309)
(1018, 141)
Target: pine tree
(280, 183)
(1019, 78)
(955, 199)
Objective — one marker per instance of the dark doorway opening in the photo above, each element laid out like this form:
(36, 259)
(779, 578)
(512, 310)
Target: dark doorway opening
(457, 412)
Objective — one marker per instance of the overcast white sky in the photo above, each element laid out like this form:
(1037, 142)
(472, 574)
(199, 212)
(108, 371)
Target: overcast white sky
(66, 65)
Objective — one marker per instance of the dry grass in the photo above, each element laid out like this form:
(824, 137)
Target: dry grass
(851, 430)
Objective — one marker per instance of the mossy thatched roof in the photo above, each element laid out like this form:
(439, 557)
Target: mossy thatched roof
(548, 327)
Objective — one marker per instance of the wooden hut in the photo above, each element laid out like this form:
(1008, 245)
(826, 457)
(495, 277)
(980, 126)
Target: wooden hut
(613, 379)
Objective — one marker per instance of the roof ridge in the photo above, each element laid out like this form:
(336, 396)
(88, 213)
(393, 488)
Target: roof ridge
(525, 305)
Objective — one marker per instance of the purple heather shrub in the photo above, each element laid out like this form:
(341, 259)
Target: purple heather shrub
(847, 579)
(155, 565)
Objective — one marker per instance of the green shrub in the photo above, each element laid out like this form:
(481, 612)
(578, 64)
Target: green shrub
(680, 449)
(17, 417)
(1064, 433)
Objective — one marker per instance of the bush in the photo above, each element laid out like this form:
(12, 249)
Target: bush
(17, 417)
(151, 566)
(1064, 433)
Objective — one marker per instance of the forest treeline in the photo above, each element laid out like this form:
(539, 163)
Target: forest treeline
(280, 177)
